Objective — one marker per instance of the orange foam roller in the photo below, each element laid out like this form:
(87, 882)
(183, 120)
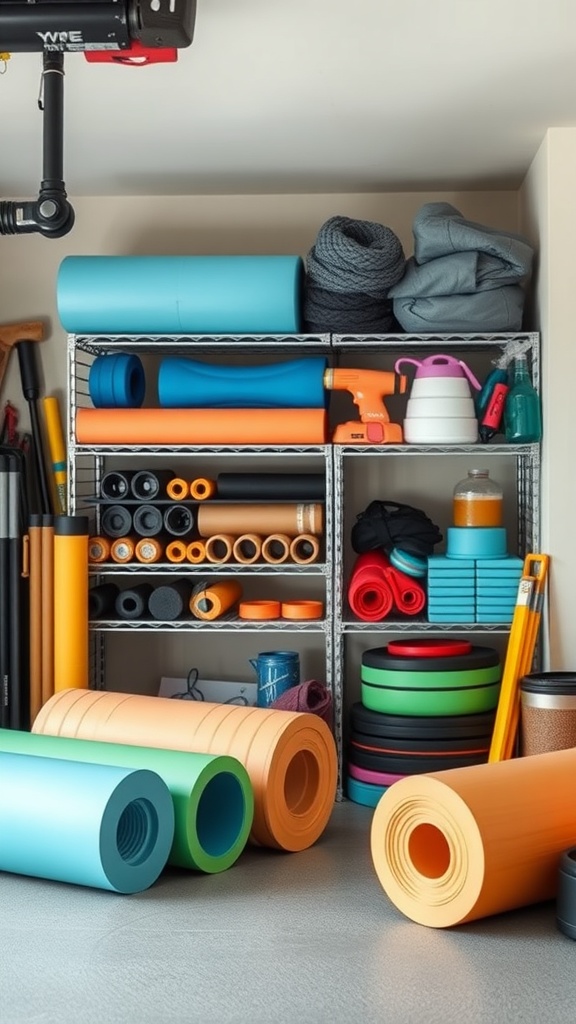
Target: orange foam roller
(219, 548)
(148, 550)
(196, 552)
(123, 549)
(177, 489)
(466, 843)
(71, 664)
(214, 601)
(202, 488)
(291, 519)
(289, 756)
(201, 426)
(176, 551)
(98, 549)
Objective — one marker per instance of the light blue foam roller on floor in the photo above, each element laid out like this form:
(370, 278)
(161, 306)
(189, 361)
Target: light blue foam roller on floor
(87, 824)
(180, 294)
(364, 792)
(295, 384)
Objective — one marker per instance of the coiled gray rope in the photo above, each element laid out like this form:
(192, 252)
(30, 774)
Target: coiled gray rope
(349, 270)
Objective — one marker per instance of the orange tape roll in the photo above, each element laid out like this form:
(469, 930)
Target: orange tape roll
(148, 550)
(211, 602)
(122, 549)
(177, 489)
(202, 488)
(196, 552)
(219, 548)
(276, 548)
(201, 426)
(304, 549)
(465, 843)
(70, 602)
(259, 610)
(98, 549)
(176, 551)
(247, 548)
(291, 519)
(289, 756)
(302, 609)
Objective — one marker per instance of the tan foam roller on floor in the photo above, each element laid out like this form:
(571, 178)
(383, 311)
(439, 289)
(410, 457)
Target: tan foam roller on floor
(291, 519)
(465, 843)
(289, 756)
(201, 426)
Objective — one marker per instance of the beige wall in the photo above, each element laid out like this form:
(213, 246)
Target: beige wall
(195, 224)
(548, 214)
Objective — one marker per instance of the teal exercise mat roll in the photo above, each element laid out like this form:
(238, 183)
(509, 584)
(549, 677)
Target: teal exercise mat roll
(296, 384)
(180, 294)
(87, 824)
(212, 794)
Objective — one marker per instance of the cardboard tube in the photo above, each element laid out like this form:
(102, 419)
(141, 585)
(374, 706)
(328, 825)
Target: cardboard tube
(35, 617)
(304, 549)
(148, 550)
(247, 548)
(291, 519)
(70, 602)
(212, 795)
(219, 548)
(98, 549)
(201, 426)
(176, 551)
(177, 489)
(214, 601)
(196, 552)
(122, 549)
(289, 756)
(47, 607)
(202, 488)
(465, 843)
(276, 548)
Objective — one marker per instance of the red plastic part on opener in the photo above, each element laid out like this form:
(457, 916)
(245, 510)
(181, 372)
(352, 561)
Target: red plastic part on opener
(135, 55)
(429, 648)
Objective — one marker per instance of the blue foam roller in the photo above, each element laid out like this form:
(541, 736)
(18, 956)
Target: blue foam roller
(117, 381)
(189, 384)
(365, 793)
(180, 294)
(87, 824)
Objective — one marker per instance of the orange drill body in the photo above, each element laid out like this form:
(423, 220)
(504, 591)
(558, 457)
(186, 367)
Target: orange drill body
(367, 388)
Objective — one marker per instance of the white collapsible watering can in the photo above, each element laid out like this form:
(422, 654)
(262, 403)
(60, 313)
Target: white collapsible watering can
(440, 409)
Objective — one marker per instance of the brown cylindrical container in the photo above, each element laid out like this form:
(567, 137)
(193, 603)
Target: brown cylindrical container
(547, 712)
(291, 519)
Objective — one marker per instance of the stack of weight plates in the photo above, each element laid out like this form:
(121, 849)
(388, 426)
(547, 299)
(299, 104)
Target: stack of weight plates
(427, 704)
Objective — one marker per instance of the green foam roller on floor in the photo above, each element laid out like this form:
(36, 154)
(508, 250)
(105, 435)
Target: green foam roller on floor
(430, 680)
(212, 794)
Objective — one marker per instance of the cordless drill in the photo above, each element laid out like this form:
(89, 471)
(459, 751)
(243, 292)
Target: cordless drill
(367, 388)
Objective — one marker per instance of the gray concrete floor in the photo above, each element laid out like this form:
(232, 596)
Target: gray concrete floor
(307, 938)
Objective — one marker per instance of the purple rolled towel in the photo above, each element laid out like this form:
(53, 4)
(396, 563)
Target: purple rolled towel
(311, 697)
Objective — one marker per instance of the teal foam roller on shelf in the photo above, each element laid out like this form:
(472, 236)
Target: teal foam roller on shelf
(212, 794)
(180, 294)
(476, 541)
(190, 384)
(86, 824)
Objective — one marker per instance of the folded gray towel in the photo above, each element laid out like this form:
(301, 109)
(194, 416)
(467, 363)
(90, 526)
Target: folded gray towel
(440, 229)
(461, 273)
(495, 310)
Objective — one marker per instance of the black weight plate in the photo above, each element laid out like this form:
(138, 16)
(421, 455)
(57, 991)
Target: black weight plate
(410, 765)
(429, 745)
(376, 723)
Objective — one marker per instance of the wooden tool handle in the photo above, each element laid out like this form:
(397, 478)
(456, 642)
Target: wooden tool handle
(10, 334)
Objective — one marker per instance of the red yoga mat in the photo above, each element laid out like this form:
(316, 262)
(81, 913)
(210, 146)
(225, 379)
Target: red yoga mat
(376, 587)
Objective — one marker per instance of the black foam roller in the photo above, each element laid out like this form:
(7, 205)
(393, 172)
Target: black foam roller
(116, 521)
(146, 485)
(115, 485)
(270, 486)
(101, 600)
(178, 519)
(171, 601)
(133, 603)
(148, 521)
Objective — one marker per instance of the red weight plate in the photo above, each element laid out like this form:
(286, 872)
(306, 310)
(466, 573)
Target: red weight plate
(429, 647)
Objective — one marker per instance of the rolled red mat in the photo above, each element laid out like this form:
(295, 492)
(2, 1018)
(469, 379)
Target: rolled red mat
(290, 756)
(369, 593)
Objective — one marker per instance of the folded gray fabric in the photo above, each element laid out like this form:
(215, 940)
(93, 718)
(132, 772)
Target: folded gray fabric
(439, 229)
(462, 273)
(495, 310)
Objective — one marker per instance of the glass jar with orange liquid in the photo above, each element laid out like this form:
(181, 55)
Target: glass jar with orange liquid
(477, 500)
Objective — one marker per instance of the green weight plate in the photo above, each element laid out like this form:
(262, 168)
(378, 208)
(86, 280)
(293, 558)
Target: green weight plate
(430, 680)
(426, 703)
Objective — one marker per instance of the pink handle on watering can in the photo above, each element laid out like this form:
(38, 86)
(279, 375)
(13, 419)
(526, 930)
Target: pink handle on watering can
(440, 365)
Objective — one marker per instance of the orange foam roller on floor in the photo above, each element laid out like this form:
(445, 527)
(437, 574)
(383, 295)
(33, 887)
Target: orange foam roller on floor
(290, 756)
(466, 843)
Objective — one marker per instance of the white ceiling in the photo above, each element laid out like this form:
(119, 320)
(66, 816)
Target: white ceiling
(310, 96)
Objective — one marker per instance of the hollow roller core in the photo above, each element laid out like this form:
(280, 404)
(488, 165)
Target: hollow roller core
(276, 548)
(304, 549)
(88, 824)
(465, 843)
(202, 488)
(212, 796)
(247, 548)
(218, 548)
(289, 756)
